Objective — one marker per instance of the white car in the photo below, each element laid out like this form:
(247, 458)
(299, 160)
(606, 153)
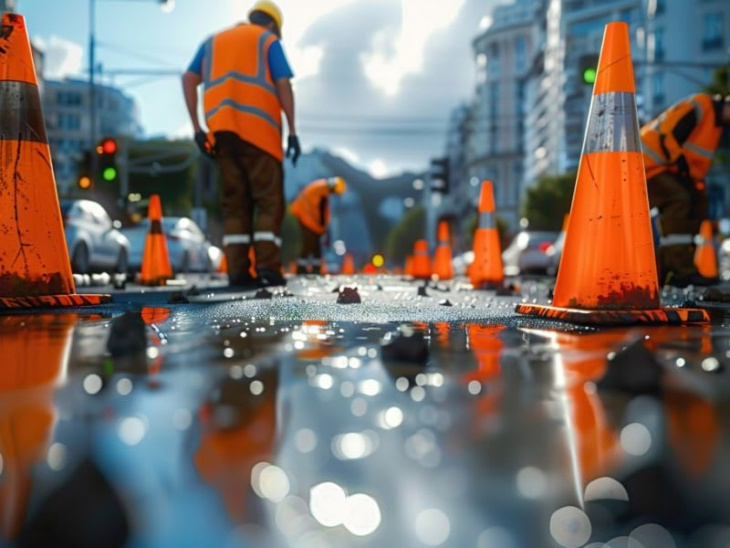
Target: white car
(93, 241)
(527, 254)
(189, 249)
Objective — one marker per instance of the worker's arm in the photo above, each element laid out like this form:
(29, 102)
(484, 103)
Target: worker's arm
(286, 98)
(677, 125)
(190, 83)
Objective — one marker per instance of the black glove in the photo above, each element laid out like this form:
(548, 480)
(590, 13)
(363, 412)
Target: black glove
(201, 139)
(293, 149)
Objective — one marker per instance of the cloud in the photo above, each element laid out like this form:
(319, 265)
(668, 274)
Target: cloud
(396, 55)
(61, 58)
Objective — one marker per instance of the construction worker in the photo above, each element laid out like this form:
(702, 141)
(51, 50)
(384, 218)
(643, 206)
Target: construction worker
(246, 84)
(678, 147)
(312, 210)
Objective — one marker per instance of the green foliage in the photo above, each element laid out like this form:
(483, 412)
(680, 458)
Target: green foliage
(548, 201)
(402, 236)
(719, 83)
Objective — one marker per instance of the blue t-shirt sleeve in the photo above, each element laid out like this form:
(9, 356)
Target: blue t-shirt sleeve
(196, 64)
(278, 65)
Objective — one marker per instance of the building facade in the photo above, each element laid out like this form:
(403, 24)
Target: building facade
(503, 53)
(66, 108)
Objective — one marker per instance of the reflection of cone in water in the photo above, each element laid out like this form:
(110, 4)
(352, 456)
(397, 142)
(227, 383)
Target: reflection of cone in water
(156, 268)
(705, 256)
(487, 347)
(348, 265)
(421, 260)
(35, 354)
(486, 270)
(607, 272)
(442, 266)
(34, 266)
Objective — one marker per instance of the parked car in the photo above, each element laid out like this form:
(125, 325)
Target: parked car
(554, 252)
(189, 249)
(92, 239)
(527, 254)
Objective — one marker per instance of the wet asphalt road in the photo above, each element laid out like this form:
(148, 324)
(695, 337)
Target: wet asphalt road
(402, 421)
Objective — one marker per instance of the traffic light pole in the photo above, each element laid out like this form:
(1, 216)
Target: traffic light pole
(92, 86)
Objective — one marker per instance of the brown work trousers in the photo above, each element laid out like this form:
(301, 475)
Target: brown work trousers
(252, 202)
(682, 207)
(310, 258)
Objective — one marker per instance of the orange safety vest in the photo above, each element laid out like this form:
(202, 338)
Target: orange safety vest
(661, 149)
(307, 206)
(239, 93)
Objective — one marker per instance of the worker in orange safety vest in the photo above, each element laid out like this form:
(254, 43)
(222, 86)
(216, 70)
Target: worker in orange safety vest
(679, 146)
(246, 84)
(312, 210)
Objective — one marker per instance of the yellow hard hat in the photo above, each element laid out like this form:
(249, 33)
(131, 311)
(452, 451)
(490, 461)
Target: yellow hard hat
(270, 9)
(337, 185)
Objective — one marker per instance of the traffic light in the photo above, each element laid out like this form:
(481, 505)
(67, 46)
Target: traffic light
(440, 175)
(107, 151)
(588, 68)
(84, 181)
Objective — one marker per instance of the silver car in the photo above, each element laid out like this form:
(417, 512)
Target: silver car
(93, 241)
(527, 254)
(189, 249)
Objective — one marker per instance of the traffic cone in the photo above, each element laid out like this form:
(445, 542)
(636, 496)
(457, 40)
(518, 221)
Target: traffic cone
(486, 271)
(35, 350)
(705, 257)
(348, 265)
(156, 268)
(421, 260)
(223, 266)
(408, 266)
(35, 270)
(442, 259)
(607, 272)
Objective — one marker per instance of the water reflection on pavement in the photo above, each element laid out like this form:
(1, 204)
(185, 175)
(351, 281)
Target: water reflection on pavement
(156, 429)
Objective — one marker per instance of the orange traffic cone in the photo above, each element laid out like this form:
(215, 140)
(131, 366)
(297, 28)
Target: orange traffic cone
(607, 272)
(421, 260)
(705, 257)
(408, 266)
(156, 268)
(348, 265)
(442, 259)
(35, 270)
(486, 271)
(223, 266)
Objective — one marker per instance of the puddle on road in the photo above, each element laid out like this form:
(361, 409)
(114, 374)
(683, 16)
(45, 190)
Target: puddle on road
(254, 432)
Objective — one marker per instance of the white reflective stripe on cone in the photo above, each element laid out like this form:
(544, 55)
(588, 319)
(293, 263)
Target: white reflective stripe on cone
(229, 239)
(677, 239)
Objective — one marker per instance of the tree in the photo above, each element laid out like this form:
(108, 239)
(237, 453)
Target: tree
(548, 201)
(402, 236)
(720, 84)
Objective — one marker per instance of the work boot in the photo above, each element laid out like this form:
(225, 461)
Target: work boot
(677, 262)
(268, 278)
(302, 270)
(242, 282)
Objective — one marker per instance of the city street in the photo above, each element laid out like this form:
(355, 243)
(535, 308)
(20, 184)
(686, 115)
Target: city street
(422, 416)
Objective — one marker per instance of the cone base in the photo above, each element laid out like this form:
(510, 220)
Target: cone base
(667, 316)
(54, 301)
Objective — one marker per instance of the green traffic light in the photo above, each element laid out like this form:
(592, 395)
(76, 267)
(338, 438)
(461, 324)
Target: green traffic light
(109, 174)
(589, 75)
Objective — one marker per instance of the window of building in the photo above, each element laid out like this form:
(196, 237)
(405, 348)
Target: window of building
(520, 53)
(712, 36)
(658, 37)
(68, 98)
(657, 90)
(69, 122)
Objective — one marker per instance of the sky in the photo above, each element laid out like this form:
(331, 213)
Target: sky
(375, 80)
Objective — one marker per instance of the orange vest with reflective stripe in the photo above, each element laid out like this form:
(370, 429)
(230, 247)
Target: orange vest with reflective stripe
(307, 206)
(661, 150)
(239, 94)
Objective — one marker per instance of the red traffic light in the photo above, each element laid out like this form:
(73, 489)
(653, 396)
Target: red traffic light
(108, 146)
